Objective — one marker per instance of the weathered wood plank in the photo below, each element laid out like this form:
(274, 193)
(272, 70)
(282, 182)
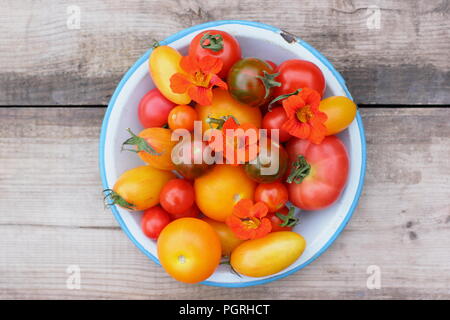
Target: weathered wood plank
(52, 216)
(43, 62)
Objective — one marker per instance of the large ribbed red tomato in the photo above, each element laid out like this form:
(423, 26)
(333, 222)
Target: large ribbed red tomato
(318, 172)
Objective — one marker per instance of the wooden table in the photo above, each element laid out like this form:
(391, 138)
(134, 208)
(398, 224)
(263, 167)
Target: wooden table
(55, 82)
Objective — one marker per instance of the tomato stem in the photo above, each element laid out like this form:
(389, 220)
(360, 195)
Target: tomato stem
(111, 198)
(300, 170)
(219, 121)
(268, 79)
(213, 42)
(282, 97)
(289, 220)
(140, 143)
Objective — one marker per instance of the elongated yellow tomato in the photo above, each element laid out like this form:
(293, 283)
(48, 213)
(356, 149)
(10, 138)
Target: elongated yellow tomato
(164, 62)
(269, 255)
(160, 140)
(227, 237)
(340, 111)
(224, 105)
(218, 190)
(139, 188)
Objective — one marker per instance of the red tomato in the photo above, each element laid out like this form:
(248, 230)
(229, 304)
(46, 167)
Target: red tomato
(296, 74)
(154, 109)
(219, 44)
(177, 196)
(274, 119)
(274, 195)
(192, 212)
(322, 178)
(153, 221)
(283, 219)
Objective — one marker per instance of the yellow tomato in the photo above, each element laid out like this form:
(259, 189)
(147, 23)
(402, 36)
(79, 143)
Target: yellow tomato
(160, 140)
(227, 237)
(189, 250)
(224, 105)
(268, 255)
(140, 187)
(218, 190)
(164, 62)
(340, 111)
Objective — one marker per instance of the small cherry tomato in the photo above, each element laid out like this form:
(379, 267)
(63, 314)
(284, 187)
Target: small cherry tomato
(273, 120)
(283, 219)
(153, 221)
(250, 81)
(340, 112)
(189, 250)
(182, 117)
(192, 212)
(296, 74)
(177, 196)
(274, 195)
(219, 44)
(154, 109)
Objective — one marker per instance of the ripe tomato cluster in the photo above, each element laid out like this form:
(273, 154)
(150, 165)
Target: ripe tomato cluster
(236, 208)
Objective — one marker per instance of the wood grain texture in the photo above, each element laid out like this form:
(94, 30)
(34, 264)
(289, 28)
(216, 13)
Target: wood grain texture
(43, 62)
(51, 216)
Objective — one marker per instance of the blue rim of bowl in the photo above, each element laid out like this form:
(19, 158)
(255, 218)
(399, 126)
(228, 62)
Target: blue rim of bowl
(177, 36)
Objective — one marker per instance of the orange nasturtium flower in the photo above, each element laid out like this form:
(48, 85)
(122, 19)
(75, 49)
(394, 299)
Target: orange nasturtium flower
(305, 121)
(199, 78)
(247, 220)
(237, 146)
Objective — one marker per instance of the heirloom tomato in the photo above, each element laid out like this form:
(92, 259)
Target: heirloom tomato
(340, 112)
(251, 81)
(270, 165)
(138, 188)
(218, 190)
(153, 221)
(154, 146)
(177, 196)
(227, 237)
(268, 255)
(296, 74)
(219, 44)
(187, 156)
(154, 109)
(164, 62)
(224, 105)
(318, 172)
(189, 250)
(273, 120)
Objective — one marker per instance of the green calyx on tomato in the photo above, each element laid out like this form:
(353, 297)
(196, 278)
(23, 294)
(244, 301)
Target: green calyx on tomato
(220, 121)
(289, 220)
(140, 143)
(212, 42)
(300, 170)
(282, 97)
(269, 81)
(111, 198)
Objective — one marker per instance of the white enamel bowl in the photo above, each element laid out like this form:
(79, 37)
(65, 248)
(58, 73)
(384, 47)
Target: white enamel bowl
(319, 228)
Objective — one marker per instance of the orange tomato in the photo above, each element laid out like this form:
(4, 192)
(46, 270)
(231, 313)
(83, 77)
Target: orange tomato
(224, 105)
(227, 237)
(159, 140)
(218, 190)
(340, 111)
(164, 62)
(182, 117)
(189, 250)
(140, 187)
